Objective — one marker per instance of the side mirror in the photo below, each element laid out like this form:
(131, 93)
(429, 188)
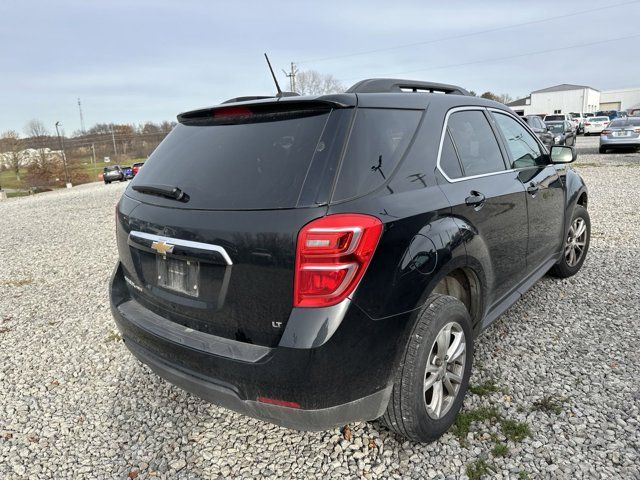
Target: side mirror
(563, 154)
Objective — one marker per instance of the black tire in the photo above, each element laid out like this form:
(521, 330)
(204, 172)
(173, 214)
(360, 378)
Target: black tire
(602, 150)
(586, 134)
(562, 269)
(406, 412)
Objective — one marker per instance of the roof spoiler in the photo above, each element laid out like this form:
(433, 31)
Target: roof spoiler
(394, 85)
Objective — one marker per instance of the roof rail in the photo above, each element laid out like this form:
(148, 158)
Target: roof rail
(394, 85)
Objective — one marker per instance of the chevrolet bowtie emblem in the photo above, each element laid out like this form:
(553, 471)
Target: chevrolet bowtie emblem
(162, 247)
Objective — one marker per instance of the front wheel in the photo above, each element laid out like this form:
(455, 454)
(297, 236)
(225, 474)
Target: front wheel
(433, 376)
(575, 246)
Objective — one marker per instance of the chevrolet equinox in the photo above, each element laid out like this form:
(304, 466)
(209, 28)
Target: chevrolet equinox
(313, 261)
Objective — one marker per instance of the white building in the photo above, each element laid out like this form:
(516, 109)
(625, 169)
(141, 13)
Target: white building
(564, 98)
(624, 99)
(568, 98)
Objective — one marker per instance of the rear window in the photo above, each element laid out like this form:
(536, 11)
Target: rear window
(553, 118)
(259, 162)
(377, 142)
(625, 122)
(111, 168)
(598, 119)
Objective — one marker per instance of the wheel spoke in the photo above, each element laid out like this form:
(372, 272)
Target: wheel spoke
(429, 382)
(446, 382)
(436, 398)
(580, 228)
(457, 347)
(454, 377)
(572, 257)
(443, 341)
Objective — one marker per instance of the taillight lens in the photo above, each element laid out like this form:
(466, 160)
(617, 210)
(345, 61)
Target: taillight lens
(605, 132)
(332, 254)
(587, 124)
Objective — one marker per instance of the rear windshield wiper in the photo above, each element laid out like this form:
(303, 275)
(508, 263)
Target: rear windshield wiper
(166, 191)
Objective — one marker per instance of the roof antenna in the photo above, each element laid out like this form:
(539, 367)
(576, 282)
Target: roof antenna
(274, 76)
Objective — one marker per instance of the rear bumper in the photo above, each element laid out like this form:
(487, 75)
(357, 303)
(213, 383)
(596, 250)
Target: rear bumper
(366, 408)
(344, 380)
(621, 142)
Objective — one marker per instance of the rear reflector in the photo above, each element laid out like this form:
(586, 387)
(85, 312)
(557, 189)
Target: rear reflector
(280, 403)
(332, 254)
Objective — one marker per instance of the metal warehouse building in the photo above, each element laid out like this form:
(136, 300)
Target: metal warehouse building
(568, 98)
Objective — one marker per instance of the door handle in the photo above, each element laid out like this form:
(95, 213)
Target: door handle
(476, 199)
(532, 189)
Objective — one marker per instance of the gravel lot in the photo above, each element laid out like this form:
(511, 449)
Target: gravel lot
(563, 361)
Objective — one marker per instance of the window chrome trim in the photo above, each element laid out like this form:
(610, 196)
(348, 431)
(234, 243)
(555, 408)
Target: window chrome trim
(444, 132)
(184, 243)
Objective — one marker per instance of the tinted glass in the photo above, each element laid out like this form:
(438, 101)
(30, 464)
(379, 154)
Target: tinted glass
(378, 140)
(256, 165)
(598, 119)
(556, 128)
(554, 118)
(449, 162)
(475, 143)
(523, 147)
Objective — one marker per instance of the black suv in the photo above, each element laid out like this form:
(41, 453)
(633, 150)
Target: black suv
(313, 261)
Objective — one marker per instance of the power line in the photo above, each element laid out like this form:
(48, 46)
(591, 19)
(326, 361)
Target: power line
(465, 35)
(509, 57)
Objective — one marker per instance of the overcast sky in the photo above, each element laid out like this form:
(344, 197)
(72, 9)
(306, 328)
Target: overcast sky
(132, 61)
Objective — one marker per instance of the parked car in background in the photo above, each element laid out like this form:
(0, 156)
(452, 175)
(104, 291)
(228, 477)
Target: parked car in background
(113, 173)
(563, 133)
(136, 168)
(595, 125)
(540, 129)
(318, 260)
(557, 117)
(612, 114)
(578, 120)
(128, 172)
(621, 133)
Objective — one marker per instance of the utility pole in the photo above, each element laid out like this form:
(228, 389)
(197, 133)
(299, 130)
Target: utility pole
(81, 118)
(113, 138)
(292, 76)
(64, 157)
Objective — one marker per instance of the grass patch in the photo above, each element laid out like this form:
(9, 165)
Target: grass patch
(484, 388)
(522, 475)
(500, 450)
(113, 337)
(477, 469)
(21, 193)
(17, 283)
(465, 419)
(515, 431)
(547, 404)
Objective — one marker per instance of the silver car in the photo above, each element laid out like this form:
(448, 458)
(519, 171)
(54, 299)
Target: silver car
(621, 133)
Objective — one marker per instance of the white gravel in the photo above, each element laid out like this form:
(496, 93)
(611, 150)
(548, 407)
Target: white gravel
(75, 403)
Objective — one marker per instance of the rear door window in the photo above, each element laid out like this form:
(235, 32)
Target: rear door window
(378, 141)
(475, 143)
(260, 161)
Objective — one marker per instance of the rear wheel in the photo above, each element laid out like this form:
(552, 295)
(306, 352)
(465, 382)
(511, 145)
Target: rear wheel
(602, 150)
(575, 246)
(432, 379)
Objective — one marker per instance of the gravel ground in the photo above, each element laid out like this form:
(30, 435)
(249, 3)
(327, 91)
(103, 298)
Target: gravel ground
(560, 368)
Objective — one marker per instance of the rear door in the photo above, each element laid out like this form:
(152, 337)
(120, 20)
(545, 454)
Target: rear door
(219, 257)
(486, 197)
(545, 193)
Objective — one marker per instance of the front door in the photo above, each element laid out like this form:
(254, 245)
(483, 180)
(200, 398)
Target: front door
(545, 194)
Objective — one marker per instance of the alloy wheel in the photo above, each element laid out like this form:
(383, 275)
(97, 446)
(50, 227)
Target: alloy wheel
(445, 370)
(576, 242)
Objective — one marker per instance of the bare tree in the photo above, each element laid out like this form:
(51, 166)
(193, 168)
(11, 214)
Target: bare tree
(502, 98)
(11, 146)
(39, 135)
(311, 82)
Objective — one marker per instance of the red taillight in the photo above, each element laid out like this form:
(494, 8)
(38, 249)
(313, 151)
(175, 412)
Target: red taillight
(280, 403)
(231, 112)
(587, 124)
(332, 254)
(605, 132)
